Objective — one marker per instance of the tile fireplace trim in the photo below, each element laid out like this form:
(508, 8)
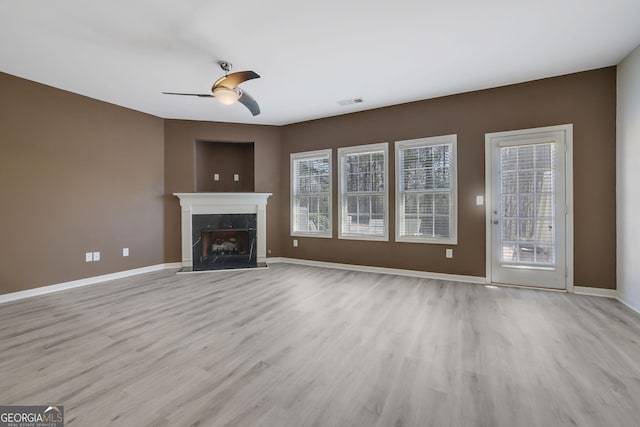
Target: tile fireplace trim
(222, 203)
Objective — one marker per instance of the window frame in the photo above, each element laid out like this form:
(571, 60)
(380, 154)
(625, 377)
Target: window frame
(451, 140)
(343, 152)
(310, 155)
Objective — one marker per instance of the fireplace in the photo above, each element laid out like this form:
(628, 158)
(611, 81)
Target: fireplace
(223, 230)
(224, 241)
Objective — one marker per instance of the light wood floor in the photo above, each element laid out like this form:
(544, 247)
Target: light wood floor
(306, 346)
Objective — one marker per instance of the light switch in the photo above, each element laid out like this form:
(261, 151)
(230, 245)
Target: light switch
(216, 177)
(96, 256)
(479, 200)
(125, 251)
(236, 177)
(295, 243)
(88, 257)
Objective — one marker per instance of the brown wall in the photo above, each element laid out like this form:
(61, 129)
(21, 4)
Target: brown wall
(585, 99)
(224, 159)
(180, 172)
(79, 175)
(76, 175)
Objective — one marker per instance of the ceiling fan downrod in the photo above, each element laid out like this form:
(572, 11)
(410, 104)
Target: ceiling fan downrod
(226, 66)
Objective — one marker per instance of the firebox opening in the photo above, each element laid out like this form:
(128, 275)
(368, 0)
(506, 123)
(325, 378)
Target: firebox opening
(223, 241)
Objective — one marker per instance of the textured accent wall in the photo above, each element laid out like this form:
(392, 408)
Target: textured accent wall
(76, 175)
(588, 100)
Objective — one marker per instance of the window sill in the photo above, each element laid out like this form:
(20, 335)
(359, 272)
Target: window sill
(429, 241)
(317, 235)
(363, 237)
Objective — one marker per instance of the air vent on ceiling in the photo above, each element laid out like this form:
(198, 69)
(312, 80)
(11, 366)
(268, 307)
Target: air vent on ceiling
(350, 101)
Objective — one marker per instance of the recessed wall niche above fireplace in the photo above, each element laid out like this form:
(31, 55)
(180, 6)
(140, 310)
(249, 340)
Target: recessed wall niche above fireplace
(218, 164)
(223, 230)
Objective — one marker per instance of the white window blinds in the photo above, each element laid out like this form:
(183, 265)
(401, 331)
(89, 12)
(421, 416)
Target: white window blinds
(426, 190)
(311, 193)
(526, 205)
(363, 192)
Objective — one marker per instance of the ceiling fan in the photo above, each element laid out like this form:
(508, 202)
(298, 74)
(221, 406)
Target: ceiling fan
(226, 89)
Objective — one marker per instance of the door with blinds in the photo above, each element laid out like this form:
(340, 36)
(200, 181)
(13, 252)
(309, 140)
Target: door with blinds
(527, 209)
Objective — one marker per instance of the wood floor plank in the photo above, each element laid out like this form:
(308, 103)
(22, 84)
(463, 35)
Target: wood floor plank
(306, 346)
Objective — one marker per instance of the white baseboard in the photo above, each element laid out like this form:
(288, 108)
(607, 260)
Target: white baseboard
(13, 296)
(382, 270)
(595, 292)
(580, 290)
(630, 305)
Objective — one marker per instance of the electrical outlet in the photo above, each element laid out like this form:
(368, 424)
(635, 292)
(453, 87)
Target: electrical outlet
(236, 177)
(216, 177)
(96, 256)
(479, 200)
(88, 257)
(295, 243)
(268, 251)
(448, 253)
(125, 251)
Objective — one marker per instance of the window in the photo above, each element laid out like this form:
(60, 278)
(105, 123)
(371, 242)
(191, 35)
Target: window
(311, 194)
(363, 186)
(426, 194)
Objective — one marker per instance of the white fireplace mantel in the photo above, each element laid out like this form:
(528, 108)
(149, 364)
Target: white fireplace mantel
(223, 203)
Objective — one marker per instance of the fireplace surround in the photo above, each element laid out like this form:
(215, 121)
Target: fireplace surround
(223, 230)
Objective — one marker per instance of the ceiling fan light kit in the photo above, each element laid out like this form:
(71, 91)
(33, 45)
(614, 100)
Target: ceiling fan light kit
(225, 89)
(225, 95)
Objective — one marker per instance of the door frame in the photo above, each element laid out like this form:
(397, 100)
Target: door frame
(488, 177)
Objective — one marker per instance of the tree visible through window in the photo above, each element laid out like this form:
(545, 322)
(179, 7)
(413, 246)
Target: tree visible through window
(426, 191)
(363, 192)
(311, 193)
(527, 177)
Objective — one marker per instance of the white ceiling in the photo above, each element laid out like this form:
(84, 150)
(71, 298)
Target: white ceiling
(310, 54)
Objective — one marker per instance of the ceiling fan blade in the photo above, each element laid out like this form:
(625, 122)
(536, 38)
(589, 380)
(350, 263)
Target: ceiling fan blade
(200, 95)
(234, 79)
(248, 101)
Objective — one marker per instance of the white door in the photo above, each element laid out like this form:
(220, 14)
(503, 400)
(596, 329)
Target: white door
(527, 206)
